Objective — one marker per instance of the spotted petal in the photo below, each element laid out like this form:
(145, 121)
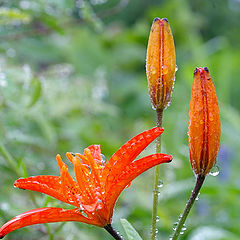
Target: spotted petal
(131, 172)
(44, 215)
(129, 151)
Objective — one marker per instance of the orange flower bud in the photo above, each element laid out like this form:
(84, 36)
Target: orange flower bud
(204, 123)
(160, 63)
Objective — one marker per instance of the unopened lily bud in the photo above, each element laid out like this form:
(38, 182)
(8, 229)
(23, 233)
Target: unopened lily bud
(204, 123)
(160, 63)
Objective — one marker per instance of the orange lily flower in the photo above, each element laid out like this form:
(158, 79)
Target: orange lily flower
(96, 188)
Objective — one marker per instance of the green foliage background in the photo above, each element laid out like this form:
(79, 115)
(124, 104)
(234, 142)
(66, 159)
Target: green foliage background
(72, 74)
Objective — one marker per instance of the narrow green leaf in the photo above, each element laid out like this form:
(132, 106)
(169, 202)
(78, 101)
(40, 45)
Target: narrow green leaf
(132, 234)
(36, 91)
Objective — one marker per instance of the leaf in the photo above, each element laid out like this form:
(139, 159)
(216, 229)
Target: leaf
(36, 91)
(132, 234)
(13, 16)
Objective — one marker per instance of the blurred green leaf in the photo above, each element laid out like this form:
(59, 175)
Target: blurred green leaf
(36, 89)
(13, 16)
(132, 234)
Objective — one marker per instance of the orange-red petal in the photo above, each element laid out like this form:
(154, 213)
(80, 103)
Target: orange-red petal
(49, 185)
(130, 172)
(45, 215)
(96, 153)
(128, 152)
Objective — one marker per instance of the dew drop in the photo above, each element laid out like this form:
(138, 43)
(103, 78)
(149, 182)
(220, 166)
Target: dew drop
(157, 219)
(214, 171)
(128, 185)
(153, 107)
(164, 69)
(175, 226)
(184, 228)
(103, 159)
(160, 183)
(176, 68)
(197, 198)
(211, 117)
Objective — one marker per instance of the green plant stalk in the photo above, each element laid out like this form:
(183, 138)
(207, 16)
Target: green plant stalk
(9, 159)
(196, 190)
(12, 164)
(156, 178)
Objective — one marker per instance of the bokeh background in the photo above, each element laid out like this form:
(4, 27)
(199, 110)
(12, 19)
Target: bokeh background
(72, 74)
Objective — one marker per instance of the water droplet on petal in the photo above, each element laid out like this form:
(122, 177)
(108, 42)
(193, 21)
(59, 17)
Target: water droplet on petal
(176, 68)
(214, 171)
(103, 159)
(164, 69)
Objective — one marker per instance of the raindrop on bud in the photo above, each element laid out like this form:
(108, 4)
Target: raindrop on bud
(214, 171)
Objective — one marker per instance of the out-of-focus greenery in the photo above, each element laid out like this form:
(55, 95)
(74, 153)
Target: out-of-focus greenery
(72, 74)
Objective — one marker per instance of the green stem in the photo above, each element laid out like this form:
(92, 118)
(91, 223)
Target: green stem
(50, 235)
(198, 185)
(112, 231)
(12, 164)
(9, 159)
(156, 179)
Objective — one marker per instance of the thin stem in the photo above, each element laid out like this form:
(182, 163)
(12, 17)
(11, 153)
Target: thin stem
(12, 164)
(156, 178)
(198, 185)
(113, 232)
(9, 159)
(50, 235)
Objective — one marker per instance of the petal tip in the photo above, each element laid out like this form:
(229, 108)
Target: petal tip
(195, 71)
(206, 69)
(165, 19)
(156, 19)
(16, 183)
(170, 158)
(159, 129)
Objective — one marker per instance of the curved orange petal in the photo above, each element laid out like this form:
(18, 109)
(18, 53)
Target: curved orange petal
(128, 152)
(45, 215)
(130, 172)
(96, 153)
(86, 183)
(49, 185)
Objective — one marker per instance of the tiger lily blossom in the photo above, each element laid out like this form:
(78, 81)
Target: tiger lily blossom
(97, 186)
